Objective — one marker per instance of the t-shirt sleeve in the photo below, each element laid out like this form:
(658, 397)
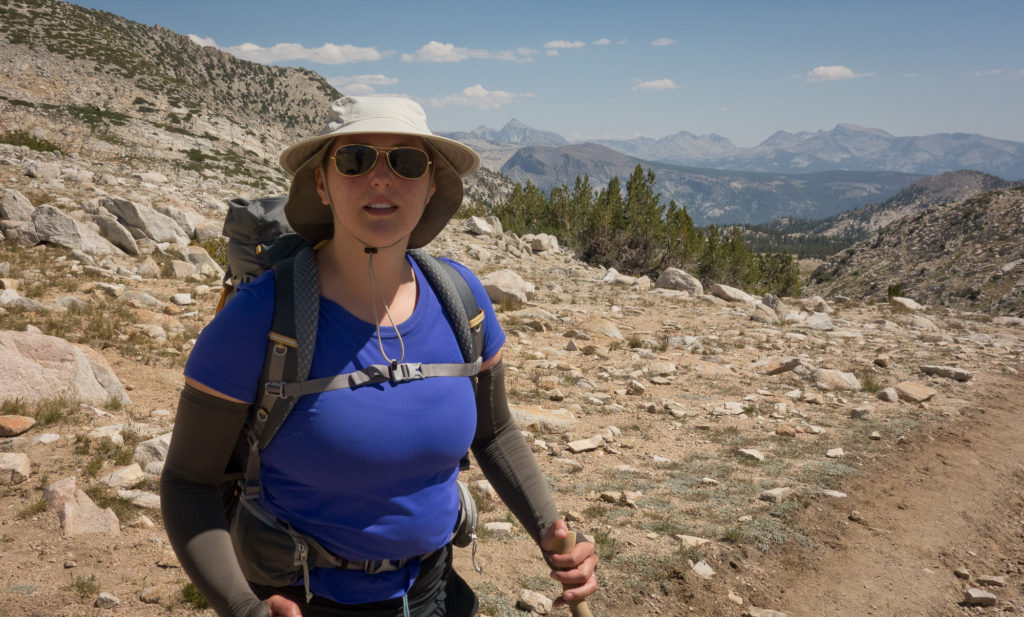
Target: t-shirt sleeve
(228, 355)
(494, 336)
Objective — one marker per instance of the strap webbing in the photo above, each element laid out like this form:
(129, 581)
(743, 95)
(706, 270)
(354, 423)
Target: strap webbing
(374, 374)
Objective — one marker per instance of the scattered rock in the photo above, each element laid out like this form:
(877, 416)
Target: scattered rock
(691, 541)
(949, 372)
(754, 611)
(679, 280)
(889, 395)
(533, 602)
(777, 495)
(914, 392)
(107, 600)
(703, 570)
(752, 454)
(585, 445)
(34, 367)
(731, 294)
(906, 303)
(860, 413)
(990, 580)
(498, 529)
(507, 285)
(77, 513)
(979, 597)
(15, 468)
(13, 425)
(829, 380)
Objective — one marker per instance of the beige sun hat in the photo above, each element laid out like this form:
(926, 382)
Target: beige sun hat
(392, 115)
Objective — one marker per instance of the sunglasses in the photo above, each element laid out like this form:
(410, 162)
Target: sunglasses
(357, 159)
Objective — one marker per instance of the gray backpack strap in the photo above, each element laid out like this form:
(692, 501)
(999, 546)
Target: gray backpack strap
(289, 354)
(460, 306)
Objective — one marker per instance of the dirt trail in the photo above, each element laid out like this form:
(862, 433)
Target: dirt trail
(948, 500)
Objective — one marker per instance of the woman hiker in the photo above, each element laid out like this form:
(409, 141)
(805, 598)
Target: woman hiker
(366, 474)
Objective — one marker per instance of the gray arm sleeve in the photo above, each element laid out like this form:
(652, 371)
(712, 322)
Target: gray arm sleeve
(205, 432)
(506, 460)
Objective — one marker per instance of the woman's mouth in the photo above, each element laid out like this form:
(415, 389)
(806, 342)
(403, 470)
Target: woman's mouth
(380, 208)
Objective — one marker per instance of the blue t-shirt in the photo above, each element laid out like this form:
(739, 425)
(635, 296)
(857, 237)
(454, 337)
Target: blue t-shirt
(368, 472)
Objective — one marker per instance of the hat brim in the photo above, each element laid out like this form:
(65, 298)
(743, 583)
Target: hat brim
(308, 216)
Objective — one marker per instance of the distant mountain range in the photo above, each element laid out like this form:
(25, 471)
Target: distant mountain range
(712, 195)
(846, 147)
(515, 133)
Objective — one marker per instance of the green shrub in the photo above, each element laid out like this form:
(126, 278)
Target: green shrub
(192, 597)
(85, 586)
(22, 138)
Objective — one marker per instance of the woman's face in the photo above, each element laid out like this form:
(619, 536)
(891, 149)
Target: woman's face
(379, 208)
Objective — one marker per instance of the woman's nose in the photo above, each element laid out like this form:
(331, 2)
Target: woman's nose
(381, 171)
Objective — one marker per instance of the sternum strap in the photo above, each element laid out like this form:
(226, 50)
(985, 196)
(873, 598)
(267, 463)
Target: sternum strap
(375, 374)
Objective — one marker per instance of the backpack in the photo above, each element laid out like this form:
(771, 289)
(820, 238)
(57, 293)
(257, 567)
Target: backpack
(269, 550)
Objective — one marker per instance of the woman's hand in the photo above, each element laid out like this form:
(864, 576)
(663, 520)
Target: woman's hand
(574, 570)
(282, 607)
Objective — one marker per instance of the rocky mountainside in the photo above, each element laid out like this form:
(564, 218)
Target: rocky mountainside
(944, 188)
(966, 255)
(96, 85)
(712, 195)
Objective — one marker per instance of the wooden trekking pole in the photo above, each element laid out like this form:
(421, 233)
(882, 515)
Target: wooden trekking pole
(578, 608)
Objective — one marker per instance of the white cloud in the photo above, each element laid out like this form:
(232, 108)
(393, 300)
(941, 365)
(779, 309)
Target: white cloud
(833, 73)
(656, 84)
(358, 89)
(435, 51)
(912, 75)
(551, 52)
(361, 85)
(602, 42)
(373, 80)
(202, 41)
(328, 53)
(987, 73)
(564, 44)
(662, 42)
(478, 96)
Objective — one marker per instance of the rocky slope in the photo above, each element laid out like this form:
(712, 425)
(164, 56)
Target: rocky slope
(966, 254)
(681, 429)
(944, 188)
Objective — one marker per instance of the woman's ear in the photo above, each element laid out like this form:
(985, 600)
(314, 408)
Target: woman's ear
(321, 185)
(433, 182)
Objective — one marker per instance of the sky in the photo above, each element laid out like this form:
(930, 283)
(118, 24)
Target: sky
(616, 69)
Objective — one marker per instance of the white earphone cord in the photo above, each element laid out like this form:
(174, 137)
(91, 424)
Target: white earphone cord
(375, 285)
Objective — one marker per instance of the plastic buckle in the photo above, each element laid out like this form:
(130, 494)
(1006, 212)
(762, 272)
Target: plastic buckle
(409, 371)
(376, 567)
(275, 388)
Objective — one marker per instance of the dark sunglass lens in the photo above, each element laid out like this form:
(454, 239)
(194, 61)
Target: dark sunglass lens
(355, 160)
(408, 162)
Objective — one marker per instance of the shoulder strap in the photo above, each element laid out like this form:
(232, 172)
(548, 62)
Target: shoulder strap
(460, 306)
(289, 354)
